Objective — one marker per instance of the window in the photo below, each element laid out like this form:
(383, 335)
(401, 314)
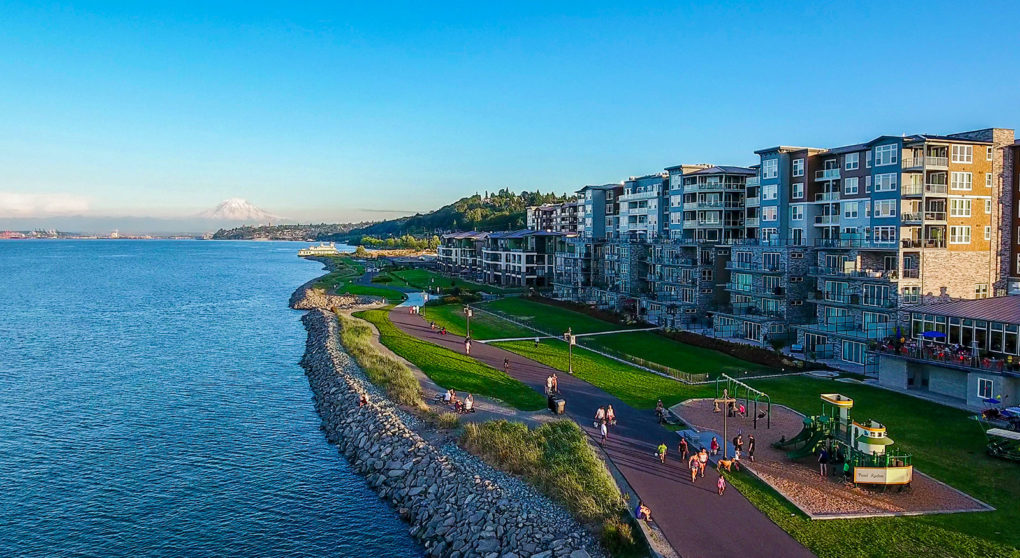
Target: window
(797, 212)
(852, 161)
(770, 168)
(850, 185)
(885, 208)
(988, 206)
(885, 234)
(961, 181)
(797, 237)
(769, 213)
(911, 295)
(959, 208)
(770, 261)
(959, 235)
(798, 167)
(988, 180)
(850, 210)
(849, 232)
(798, 191)
(963, 153)
(984, 388)
(886, 155)
(988, 154)
(867, 208)
(769, 192)
(885, 182)
(869, 159)
(988, 232)
(867, 183)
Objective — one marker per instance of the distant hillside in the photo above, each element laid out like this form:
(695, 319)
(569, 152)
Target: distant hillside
(498, 211)
(286, 232)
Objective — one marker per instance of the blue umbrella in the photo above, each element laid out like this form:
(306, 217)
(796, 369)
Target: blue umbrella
(933, 335)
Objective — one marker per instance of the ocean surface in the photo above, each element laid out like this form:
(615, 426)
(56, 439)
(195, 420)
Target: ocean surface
(151, 404)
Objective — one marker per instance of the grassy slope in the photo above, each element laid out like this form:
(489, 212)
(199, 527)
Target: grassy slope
(345, 272)
(549, 318)
(483, 326)
(424, 279)
(453, 370)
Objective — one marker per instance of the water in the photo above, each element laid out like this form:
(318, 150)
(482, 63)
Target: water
(151, 405)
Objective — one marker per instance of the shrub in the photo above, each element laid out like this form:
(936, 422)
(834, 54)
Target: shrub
(382, 279)
(444, 421)
(617, 536)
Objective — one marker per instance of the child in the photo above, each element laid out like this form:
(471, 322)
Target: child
(662, 453)
(721, 484)
(604, 431)
(714, 445)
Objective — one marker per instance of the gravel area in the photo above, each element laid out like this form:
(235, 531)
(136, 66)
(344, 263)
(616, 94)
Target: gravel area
(800, 483)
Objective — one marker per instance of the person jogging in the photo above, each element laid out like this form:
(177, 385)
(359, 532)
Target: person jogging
(661, 452)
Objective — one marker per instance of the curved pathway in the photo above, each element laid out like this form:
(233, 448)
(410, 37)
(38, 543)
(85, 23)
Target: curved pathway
(696, 521)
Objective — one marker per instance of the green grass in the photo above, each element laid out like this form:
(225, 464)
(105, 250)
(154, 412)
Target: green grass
(556, 459)
(424, 279)
(345, 272)
(634, 386)
(453, 370)
(483, 326)
(552, 319)
(398, 380)
(390, 295)
(945, 443)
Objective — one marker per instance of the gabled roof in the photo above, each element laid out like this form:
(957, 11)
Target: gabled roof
(999, 309)
(786, 149)
(600, 187)
(467, 235)
(523, 233)
(723, 170)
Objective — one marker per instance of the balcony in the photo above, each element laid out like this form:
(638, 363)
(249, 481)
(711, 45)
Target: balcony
(754, 266)
(912, 189)
(933, 162)
(750, 310)
(827, 174)
(912, 217)
(911, 273)
(751, 222)
(913, 162)
(752, 202)
(752, 182)
(935, 188)
(934, 215)
(826, 220)
(873, 274)
(827, 197)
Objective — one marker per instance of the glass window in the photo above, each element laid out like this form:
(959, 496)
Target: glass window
(850, 210)
(852, 161)
(850, 185)
(959, 235)
(988, 154)
(798, 191)
(961, 180)
(984, 388)
(798, 167)
(959, 208)
(963, 153)
(769, 192)
(886, 155)
(770, 168)
(797, 212)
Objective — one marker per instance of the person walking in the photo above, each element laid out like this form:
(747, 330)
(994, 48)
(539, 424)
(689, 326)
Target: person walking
(549, 385)
(536, 342)
(693, 464)
(721, 484)
(823, 462)
(610, 415)
(683, 449)
(555, 383)
(467, 345)
(506, 366)
(600, 416)
(750, 447)
(604, 432)
(702, 461)
(738, 442)
(714, 445)
(661, 452)
(660, 411)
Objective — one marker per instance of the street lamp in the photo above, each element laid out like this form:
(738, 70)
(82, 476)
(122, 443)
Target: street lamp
(468, 312)
(570, 339)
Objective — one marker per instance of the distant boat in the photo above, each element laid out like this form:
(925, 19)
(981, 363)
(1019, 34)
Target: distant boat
(322, 249)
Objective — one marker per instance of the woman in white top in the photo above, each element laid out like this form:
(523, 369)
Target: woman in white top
(448, 396)
(469, 403)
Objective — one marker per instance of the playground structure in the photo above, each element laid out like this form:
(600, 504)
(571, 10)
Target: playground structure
(727, 388)
(863, 446)
(1004, 444)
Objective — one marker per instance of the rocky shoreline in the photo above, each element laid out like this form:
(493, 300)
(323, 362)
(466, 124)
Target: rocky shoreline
(457, 505)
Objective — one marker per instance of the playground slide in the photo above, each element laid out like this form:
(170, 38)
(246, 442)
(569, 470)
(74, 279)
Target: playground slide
(817, 437)
(801, 437)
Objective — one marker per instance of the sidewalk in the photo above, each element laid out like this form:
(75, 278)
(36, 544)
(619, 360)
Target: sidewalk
(696, 521)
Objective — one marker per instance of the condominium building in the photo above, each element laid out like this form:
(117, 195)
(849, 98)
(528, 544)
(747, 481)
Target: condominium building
(644, 208)
(1010, 239)
(577, 269)
(461, 253)
(523, 258)
(565, 217)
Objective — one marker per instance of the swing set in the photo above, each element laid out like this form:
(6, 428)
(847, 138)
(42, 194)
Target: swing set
(727, 388)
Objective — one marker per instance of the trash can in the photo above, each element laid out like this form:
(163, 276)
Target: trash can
(559, 406)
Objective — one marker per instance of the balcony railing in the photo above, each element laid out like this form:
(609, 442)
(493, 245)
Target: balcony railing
(751, 222)
(935, 188)
(752, 201)
(934, 215)
(854, 273)
(755, 266)
(910, 273)
(826, 219)
(926, 243)
(933, 161)
(827, 174)
(912, 217)
(827, 197)
(912, 189)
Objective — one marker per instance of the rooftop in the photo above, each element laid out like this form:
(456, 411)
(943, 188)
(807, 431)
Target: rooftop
(999, 309)
(467, 235)
(724, 170)
(522, 233)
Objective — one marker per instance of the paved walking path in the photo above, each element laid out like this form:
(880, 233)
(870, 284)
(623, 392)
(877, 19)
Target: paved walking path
(696, 521)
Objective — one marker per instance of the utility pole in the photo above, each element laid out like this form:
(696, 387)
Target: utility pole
(569, 337)
(468, 312)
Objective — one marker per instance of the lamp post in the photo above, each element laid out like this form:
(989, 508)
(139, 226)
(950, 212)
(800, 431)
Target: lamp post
(468, 312)
(569, 338)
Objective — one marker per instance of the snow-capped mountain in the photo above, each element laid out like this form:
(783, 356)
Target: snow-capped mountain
(237, 209)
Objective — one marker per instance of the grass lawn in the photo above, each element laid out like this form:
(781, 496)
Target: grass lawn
(483, 326)
(392, 296)
(453, 370)
(636, 387)
(552, 319)
(341, 280)
(945, 444)
(424, 279)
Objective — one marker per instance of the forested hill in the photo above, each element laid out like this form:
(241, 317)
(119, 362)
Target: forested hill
(496, 211)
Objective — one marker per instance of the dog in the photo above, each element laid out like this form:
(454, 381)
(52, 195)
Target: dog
(728, 464)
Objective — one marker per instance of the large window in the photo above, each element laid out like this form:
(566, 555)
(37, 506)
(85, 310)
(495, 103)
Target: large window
(961, 181)
(770, 168)
(797, 212)
(850, 210)
(885, 208)
(886, 155)
(798, 191)
(853, 352)
(959, 208)
(984, 388)
(850, 185)
(885, 234)
(769, 213)
(852, 161)
(959, 235)
(963, 153)
(885, 182)
(769, 192)
(798, 167)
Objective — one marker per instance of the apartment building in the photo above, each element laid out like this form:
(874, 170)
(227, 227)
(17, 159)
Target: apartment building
(461, 253)
(644, 208)
(565, 217)
(1010, 239)
(523, 258)
(579, 268)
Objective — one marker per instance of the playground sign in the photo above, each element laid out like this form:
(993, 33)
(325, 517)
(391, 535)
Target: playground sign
(883, 475)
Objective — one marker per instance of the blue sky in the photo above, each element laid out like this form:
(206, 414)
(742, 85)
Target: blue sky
(333, 112)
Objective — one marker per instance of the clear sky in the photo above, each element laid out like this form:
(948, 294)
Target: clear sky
(334, 111)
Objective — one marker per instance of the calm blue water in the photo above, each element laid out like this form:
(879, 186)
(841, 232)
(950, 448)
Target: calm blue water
(151, 404)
